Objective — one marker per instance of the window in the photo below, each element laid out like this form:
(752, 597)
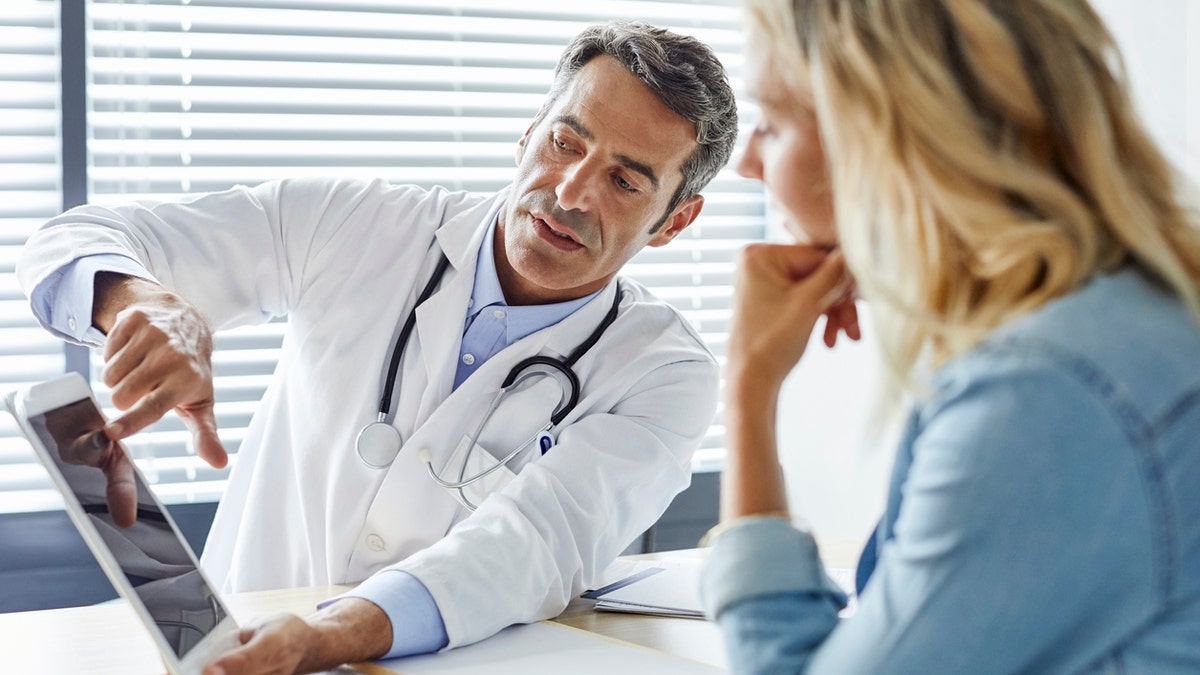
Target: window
(194, 96)
(29, 194)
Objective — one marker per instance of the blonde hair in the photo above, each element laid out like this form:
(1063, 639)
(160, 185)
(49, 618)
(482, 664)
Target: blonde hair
(985, 158)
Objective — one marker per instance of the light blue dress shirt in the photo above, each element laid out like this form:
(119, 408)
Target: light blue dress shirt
(1043, 514)
(63, 303)
(492, 324)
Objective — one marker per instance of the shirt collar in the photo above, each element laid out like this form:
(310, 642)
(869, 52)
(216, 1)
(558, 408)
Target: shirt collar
(487, 289)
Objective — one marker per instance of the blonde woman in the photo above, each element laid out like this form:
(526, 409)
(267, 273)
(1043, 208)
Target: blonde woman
(976, 167)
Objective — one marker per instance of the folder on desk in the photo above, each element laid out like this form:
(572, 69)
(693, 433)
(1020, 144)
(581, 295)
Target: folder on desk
(660, 588)
(672, 588)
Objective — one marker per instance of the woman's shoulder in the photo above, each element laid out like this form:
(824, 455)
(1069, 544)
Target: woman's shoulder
(1122, 336)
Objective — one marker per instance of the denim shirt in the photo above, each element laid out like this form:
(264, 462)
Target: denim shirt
(1043, 514)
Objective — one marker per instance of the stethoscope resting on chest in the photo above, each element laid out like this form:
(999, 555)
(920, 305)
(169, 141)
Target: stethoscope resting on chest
(379, 443)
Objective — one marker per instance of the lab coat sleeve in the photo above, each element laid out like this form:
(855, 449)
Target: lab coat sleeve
(543, 539)
(241, 256)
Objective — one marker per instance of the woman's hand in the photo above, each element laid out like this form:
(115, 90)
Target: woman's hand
(780, 292)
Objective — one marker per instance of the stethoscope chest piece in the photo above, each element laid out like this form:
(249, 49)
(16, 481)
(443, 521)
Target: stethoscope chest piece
(378, 444)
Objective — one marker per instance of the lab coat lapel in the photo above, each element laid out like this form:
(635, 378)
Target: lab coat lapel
(441, 318)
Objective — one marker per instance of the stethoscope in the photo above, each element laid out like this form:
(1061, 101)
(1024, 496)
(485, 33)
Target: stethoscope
(379, 443)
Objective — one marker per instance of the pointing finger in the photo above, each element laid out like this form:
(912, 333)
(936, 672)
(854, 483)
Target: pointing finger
(204, 434)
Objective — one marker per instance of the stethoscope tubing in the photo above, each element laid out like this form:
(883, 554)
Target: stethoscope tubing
(515, 376)
(389, 384)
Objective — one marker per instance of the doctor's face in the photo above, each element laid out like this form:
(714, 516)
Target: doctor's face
(596, 174)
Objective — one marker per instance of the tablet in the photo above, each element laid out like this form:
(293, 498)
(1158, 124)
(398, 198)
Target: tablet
(124, 524)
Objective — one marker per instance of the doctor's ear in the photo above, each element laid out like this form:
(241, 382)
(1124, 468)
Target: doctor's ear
(524, 139)
(681, 216)
(541, 115)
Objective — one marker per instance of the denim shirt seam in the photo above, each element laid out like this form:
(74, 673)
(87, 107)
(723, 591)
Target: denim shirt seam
(1184, 404)
(1140, 433)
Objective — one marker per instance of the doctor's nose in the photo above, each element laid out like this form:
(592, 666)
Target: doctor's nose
(575, 188)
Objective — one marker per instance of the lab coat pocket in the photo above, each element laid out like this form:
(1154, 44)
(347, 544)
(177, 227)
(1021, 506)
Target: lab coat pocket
(512, 429)
(466, 464)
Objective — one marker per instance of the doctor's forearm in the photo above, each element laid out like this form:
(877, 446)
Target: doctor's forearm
(752, 482)
(348, 631)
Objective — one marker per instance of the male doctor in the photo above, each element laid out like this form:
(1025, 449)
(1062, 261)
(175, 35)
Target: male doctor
(637, 122)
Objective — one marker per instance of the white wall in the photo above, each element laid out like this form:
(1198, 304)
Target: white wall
(1193, 90)
(836, 473)
(1160, 41)
(834, 455)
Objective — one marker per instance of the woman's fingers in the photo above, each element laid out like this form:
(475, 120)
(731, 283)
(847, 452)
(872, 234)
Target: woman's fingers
(780, 293)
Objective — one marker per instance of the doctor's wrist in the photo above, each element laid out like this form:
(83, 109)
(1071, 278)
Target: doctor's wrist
(113, 292)
(350, 630)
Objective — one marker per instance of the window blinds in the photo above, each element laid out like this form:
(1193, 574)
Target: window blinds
(29, 194)
(201, 95)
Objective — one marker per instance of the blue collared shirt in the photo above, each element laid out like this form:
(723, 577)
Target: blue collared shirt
(63, 303)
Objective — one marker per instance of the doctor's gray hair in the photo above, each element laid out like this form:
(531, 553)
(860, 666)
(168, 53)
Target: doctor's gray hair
(681, 71)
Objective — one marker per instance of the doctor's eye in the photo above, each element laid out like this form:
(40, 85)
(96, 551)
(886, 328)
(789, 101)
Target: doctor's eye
(624, 184)
(559, 143)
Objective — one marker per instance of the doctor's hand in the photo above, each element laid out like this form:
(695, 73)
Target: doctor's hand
(349, 630)
(780, 292)
(158, 357)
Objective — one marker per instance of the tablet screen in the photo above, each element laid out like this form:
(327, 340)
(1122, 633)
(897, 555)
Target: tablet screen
(151, 554)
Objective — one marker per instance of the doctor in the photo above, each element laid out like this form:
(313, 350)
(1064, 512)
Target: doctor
(638, 120)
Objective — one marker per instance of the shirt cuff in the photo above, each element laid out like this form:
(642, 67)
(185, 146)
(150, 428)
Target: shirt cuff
(63, 301)
(758, 556)
(417, 626)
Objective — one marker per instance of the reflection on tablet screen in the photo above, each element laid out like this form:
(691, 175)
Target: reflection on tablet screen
(152, 556)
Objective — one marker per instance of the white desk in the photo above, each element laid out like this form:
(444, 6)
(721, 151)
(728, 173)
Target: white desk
(108, 638)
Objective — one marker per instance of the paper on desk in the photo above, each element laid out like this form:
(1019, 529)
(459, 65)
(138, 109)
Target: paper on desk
(663, 587)
(545, 648)
(672, 588)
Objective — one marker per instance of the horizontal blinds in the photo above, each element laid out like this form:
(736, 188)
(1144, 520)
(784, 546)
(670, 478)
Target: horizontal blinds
(29, 193)
(198, 96)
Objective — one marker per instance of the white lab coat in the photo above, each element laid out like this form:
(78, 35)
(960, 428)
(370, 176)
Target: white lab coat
(345, 261)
